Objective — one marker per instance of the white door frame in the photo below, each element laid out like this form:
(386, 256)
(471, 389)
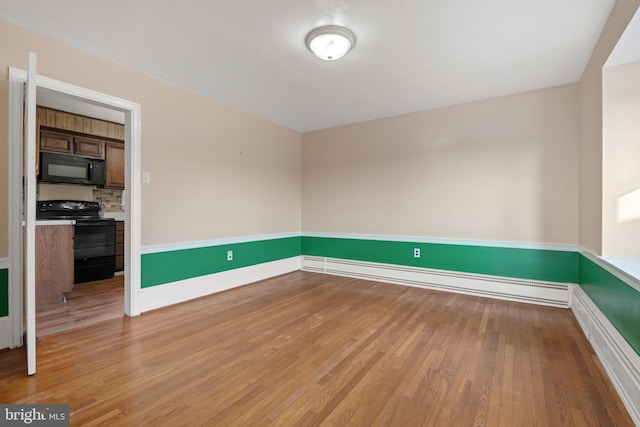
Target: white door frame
(29, 206)
(132, 113)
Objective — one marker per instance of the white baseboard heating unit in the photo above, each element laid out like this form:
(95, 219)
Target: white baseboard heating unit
(521, 290)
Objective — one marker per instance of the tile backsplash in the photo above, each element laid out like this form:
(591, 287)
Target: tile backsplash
(64, 192)
(112, 199)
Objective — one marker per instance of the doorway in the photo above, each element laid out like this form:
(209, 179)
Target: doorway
(65, 92)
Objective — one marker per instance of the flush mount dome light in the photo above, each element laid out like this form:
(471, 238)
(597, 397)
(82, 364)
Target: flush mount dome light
(330, 42)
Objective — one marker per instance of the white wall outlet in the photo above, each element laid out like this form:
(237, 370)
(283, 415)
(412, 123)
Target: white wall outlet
(416, 252)
(229, 255)
(146, 177)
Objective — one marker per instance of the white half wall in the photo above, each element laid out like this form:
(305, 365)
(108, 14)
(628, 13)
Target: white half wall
(183, 290)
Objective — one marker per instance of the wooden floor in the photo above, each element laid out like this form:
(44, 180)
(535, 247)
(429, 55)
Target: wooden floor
(87, 303)
(307, 349)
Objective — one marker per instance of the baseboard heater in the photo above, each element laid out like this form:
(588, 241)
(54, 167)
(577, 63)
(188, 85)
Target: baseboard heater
(521, 290)
(618, 358)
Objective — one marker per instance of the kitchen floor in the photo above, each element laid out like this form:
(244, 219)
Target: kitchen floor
(87, 303)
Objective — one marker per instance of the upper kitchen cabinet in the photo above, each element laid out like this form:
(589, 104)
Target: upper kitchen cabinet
(114, 165)
(68, 143)
(65, 143)
(88, 147)
(56, 142)
(55, 119)
(67, 133)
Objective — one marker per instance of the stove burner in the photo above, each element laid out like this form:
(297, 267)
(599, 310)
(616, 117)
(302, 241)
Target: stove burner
(67, 209)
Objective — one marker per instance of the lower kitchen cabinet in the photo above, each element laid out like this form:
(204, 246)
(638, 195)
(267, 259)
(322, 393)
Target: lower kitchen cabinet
(54, 263)
(119, 245)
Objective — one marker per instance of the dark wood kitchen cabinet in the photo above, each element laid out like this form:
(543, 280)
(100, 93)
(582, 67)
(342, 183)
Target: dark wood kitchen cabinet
(88, 147)
(54, 263)
(119, 246)
(66, 143)
(56, 142)
(114, 165)
(50, 118)
(66, 133)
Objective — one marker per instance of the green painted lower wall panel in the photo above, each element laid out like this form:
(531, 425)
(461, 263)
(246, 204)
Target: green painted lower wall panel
(534, 264)
(165, 267)
(616, 299)
(4, 292)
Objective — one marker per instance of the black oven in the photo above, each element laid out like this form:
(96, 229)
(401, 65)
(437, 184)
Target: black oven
(94, 241)
(94, 249)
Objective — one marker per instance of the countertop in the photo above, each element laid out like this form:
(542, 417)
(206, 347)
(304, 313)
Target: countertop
(118, 216)
(55, 222)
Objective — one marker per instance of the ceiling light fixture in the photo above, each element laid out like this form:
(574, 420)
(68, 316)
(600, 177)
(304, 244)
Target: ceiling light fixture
(330, 42)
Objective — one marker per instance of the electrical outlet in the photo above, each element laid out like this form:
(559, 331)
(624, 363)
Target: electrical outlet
(416, 252)
(229, 255)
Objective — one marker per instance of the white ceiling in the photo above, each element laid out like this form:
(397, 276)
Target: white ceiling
(410, 55)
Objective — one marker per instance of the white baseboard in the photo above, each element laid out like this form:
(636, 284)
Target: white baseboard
(184, 290)
(6, 333)
(619, 359)
(521, 290)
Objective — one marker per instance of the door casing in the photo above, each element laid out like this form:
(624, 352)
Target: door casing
(132, 112)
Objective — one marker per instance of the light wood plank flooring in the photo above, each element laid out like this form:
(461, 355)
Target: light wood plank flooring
(87, 303)
(307, 349)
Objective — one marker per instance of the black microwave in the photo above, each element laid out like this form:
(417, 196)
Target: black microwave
(69, 169)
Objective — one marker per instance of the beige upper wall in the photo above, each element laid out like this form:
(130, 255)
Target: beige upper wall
(591, 126)
(501, 169)
(620, 155)
(216, 171)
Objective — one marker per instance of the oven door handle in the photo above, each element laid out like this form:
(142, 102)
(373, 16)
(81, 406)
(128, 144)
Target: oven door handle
(98, 222)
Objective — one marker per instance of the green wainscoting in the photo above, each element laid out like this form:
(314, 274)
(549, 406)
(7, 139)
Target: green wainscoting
(165, 267)
(4, 292)
(534, 264)
(616, 299)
